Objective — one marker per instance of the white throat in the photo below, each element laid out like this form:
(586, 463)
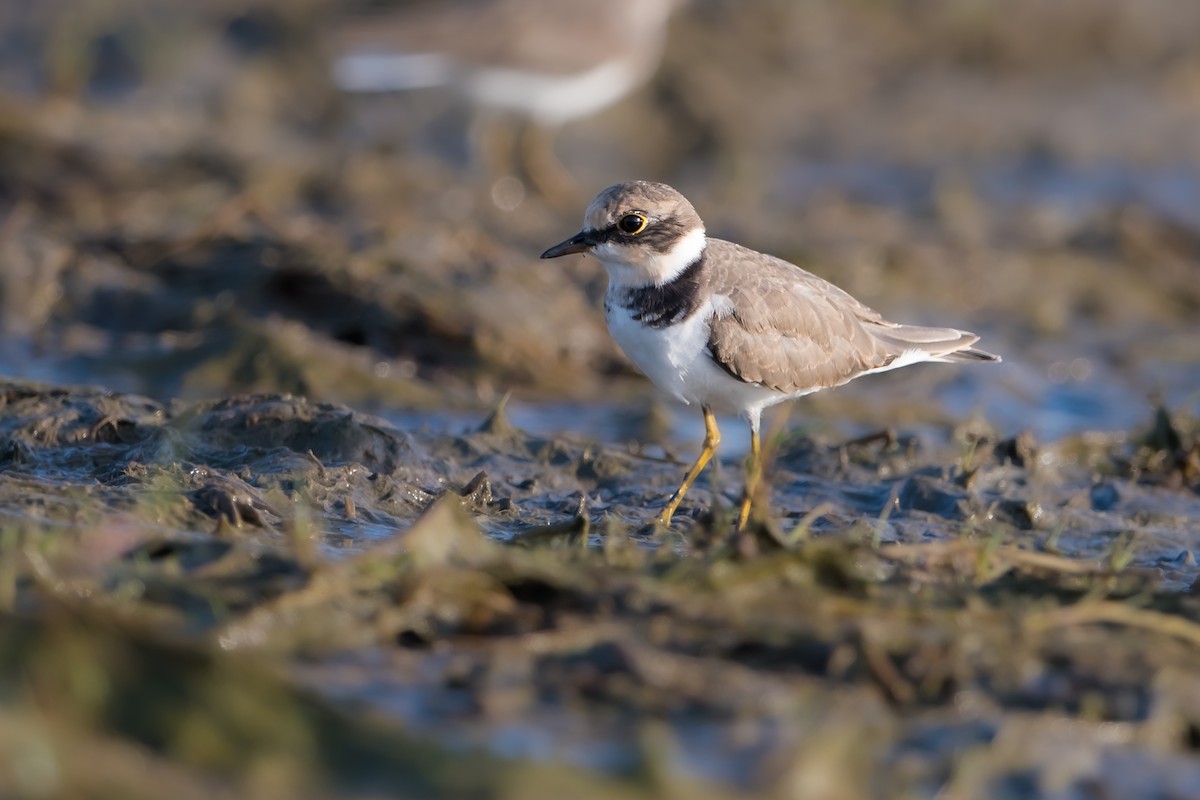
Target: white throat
(637, 265)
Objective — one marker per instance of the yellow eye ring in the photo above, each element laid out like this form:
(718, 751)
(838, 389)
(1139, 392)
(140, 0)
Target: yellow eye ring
(633, 223)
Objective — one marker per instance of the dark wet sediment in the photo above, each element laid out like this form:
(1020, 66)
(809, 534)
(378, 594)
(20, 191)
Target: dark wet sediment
(974, 614)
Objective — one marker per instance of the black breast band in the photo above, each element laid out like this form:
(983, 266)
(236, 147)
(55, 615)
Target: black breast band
(671, 303)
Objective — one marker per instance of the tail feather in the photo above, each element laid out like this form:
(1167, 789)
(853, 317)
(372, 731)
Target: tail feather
(972, 354)
(937, 344)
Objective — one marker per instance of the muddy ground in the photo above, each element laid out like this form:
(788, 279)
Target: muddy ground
(985, 617)
(316, 483)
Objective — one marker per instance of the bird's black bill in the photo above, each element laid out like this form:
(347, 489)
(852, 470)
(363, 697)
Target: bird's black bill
(579, 243)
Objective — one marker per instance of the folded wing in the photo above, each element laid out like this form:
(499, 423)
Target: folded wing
(787, 329)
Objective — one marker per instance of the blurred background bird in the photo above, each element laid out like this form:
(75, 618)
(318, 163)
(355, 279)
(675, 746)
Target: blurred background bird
(527, 67)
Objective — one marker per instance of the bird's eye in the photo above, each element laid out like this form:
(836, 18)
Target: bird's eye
(633, 224)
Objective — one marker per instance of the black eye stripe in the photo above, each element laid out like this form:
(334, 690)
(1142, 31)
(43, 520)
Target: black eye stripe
(659, 235)
(614, 233)
(610, 234)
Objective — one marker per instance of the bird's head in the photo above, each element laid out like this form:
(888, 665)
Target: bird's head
(642, 232)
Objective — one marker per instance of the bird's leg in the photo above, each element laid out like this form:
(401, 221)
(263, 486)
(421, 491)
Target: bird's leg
(753, 476)
(542, 166)
(493, 143)
(712, 438)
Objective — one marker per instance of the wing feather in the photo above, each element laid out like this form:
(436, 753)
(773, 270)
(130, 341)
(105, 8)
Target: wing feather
(791, 331)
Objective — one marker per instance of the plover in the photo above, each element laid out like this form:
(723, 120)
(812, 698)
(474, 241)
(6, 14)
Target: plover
(544, 61)
(726, 327)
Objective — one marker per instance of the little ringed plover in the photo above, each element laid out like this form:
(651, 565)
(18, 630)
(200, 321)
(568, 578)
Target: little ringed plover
(723, 326)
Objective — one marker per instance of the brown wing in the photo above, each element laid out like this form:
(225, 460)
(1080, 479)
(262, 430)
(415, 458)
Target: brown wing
(792, 331)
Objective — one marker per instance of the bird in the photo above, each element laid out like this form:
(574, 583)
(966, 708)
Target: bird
(716, 324)
(545, 62)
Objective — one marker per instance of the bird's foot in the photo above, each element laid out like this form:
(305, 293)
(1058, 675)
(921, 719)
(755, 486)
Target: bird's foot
(663, 518)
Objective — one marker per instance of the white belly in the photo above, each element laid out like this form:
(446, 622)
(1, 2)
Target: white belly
(674, 357)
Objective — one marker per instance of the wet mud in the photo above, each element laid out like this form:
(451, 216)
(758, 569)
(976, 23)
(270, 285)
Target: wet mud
(986, 612)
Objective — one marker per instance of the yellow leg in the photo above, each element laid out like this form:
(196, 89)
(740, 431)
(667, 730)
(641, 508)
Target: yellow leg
(753, 477)
(712, 438)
